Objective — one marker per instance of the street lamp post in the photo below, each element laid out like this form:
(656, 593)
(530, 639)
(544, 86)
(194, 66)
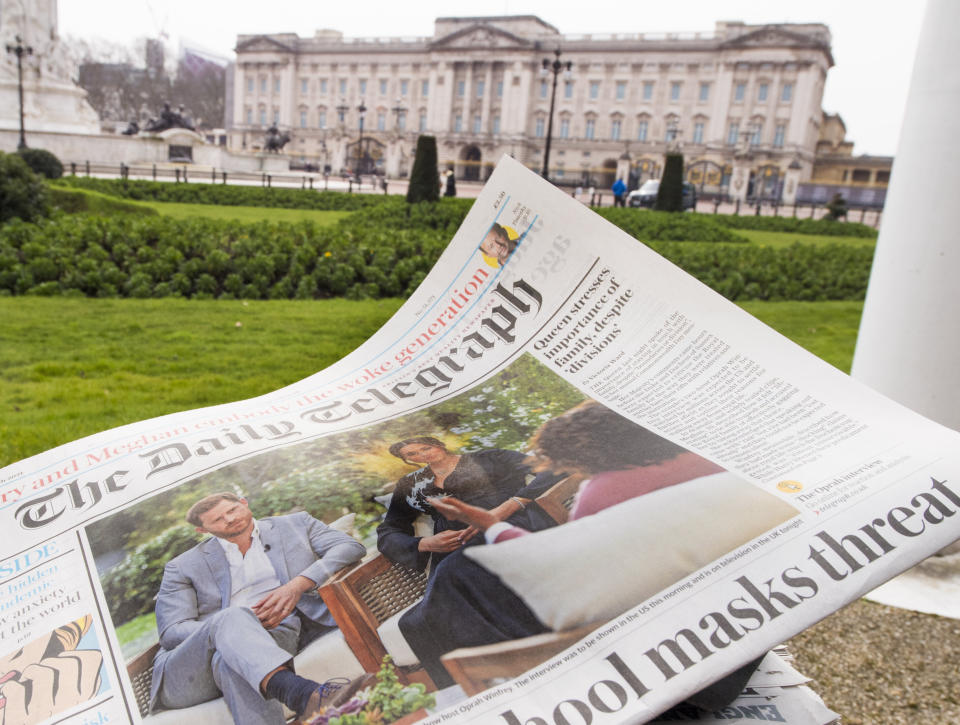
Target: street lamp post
(361, 109)
(20, 50)
(555, 66)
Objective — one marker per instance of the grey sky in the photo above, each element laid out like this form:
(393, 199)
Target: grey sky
(874, 41)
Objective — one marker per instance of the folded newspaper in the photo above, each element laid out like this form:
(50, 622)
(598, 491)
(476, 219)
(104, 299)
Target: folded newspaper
(566, 483)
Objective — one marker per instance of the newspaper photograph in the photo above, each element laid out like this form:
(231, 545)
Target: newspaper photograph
(566, 483)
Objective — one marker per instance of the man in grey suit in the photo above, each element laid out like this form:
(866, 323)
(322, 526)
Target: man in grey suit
(233, 610)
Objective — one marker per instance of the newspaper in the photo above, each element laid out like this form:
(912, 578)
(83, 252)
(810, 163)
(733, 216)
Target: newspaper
(662, 490)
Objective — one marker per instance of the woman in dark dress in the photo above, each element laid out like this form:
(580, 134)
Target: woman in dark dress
(495, 480)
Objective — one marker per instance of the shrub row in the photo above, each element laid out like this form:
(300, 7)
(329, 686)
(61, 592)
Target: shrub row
(800, 272)
(445, 216)
(23, 194)
(823, 227)
(227, 194)
(657, 226)
(132, 256)
(84, 201)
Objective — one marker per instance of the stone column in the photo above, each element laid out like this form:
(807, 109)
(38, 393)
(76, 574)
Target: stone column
(909, 343)
(488, 91)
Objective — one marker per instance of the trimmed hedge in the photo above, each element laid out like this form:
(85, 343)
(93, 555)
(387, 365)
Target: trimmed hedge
(424, 179)
(133, 256)
(654, 226)
(84, 201)
(23, 195)
(227, 195)
(42, 162)
(445, 215)
(800, 272)
(823, 227)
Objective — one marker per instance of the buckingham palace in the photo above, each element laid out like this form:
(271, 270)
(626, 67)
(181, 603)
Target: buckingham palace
(742, 103)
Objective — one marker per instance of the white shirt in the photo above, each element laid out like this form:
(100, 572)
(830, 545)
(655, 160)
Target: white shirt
(251, 574)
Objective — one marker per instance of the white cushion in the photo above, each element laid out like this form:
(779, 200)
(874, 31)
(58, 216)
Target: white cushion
(329, 656)
(597, 567)
(393, 641)
(345, 524)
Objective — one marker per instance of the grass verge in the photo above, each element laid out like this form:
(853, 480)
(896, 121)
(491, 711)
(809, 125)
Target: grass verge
(785, 239)
(245, 213)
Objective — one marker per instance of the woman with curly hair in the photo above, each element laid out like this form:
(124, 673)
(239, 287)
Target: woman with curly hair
(466, 605)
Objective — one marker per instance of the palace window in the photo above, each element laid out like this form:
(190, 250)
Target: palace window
(778, 135)
(733, 133)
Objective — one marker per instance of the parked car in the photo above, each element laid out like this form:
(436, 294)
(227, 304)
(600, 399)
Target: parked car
(646, 195)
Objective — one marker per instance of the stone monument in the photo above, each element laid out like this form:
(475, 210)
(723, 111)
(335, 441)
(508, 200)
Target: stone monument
(52, 102)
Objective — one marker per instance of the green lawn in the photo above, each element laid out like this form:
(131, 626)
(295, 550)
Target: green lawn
(827, 329)
(245, 213)
(72, 367)
(785, 239)
(137, 635)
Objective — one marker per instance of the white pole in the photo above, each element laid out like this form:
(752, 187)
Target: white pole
(909, 342)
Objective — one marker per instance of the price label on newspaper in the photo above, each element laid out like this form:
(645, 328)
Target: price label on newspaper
(566, 483)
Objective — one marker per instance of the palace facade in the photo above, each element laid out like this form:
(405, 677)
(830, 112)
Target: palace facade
(743, 103)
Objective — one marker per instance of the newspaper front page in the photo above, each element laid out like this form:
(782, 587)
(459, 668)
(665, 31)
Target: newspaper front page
(566, 481)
